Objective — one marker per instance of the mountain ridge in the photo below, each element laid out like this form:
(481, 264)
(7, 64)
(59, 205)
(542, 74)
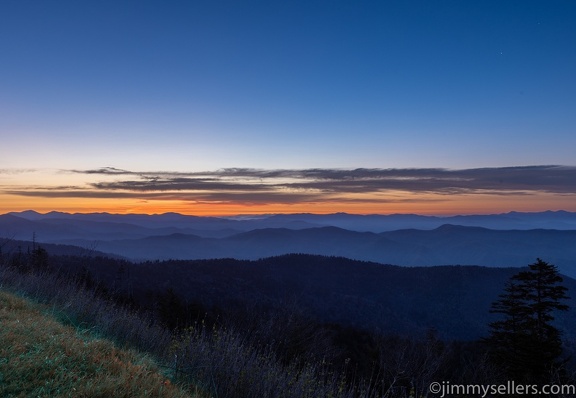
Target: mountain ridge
(442, 246)
(453, 242)
(550, 219)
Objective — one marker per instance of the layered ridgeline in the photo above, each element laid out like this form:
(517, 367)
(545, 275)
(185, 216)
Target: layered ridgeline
(505, 240)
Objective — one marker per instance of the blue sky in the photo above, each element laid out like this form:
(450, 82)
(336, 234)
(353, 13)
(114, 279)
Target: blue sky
(190, 86)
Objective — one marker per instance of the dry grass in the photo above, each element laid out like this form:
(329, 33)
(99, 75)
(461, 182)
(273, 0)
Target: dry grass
(40, 357)
(206, 362)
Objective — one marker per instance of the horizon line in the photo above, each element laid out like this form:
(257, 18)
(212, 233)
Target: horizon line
(285, 213)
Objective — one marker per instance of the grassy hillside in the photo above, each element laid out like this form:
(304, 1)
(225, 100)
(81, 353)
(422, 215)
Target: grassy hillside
(207, 359)
(40, 357)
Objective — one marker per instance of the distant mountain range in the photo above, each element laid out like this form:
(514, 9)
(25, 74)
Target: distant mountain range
(208, 226)
(503, 240)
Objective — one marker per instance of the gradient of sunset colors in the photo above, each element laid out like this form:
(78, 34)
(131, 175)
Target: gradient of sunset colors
(222, 108)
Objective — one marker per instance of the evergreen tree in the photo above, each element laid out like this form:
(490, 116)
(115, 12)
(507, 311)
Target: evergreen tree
(525, 343)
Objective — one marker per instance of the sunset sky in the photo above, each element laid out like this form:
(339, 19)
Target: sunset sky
(246, 107)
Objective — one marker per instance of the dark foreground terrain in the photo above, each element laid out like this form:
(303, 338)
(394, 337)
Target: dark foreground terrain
(298, 325)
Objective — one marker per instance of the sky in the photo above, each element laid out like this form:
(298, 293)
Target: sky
(228, 107)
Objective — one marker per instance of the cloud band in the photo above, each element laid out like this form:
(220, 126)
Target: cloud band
(305, 185)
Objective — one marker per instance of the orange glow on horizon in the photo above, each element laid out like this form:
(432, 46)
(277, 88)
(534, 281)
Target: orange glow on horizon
(414, 204)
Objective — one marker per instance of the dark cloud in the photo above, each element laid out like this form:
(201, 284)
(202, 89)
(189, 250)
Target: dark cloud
(308, 185)
(554, 179)
(177, 184)
(102, 170)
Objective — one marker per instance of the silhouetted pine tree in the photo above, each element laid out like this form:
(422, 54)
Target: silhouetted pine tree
(524, 343)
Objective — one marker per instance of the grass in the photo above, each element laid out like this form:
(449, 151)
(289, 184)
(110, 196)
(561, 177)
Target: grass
(219, 362)
(205, 362)
(41, 357)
